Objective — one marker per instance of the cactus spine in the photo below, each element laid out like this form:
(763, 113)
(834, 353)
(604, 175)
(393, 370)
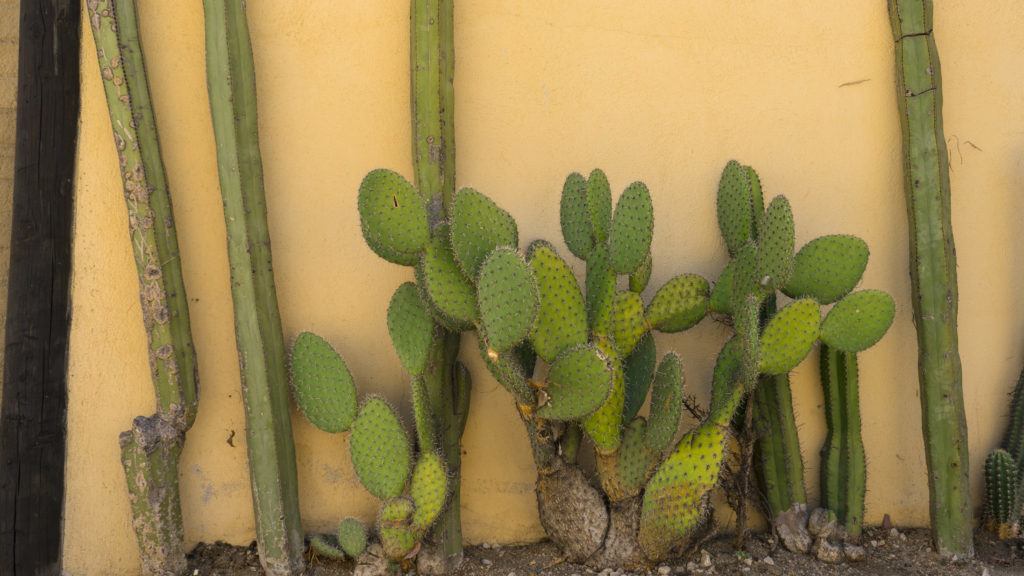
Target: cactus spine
(151, 449)
(843, 465)
(232, 88)
(933, 274)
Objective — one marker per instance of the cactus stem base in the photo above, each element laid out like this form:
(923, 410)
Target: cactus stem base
(572, 511)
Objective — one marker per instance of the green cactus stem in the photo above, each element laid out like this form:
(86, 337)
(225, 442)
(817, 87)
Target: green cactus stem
(232, 86)
(150, 450)
(1004, 474)
(843, 465)
(933, 275)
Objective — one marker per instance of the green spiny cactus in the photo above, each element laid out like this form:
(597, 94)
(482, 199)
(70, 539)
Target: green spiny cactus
(478, 226)
(827, 268)
(628, 323)
(679, 304)
(561, 321)
(325, 546)
(352, 537)
(638, 370)
(321, 384)
(666, 404)
(632, 229)
(507, 298)
(578, 383)
(445, 287)
(843, 465)
(380, 450)
(411, 327)
(428, 489)
(394, 217)
(231, 80)
(858, 321)
(1002, 498)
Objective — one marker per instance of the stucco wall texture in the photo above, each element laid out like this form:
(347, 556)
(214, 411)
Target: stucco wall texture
(665, 92)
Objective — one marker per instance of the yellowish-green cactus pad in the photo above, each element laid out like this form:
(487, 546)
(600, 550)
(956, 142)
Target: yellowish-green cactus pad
(666, 403)
(600, 291)
(638, 370)
(478, 226)
(508, 298)
(628, 322)
(680, 304)
(632, 229)
(776, 238)
(641, 276)
(325, 546)
(828, 268)
(789, 336)
(393, 217)
(428, 490)
(737, 217)
(352, 537)
(380, 450)
(322, 384)
(858, 321)
(562, 318)
(603, 426)
(578, 383)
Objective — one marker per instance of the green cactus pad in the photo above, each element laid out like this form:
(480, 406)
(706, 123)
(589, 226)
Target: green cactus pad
(858, 321)
(428, 490)
(635, 459)
(562, 318)
(352, 537)
(599, 205)
(603, 426)
(676, 498)
(508, 298)
(638, 371)
(396, 536)
(828, 268)
(507, 370)
(641, 276)
(575, 217)
(745, 281)
(380, 450)
(411, 328)
(723, 380)
(632, 229)
(393, 217)
(600, 291)
(478, 226)
(321, 384)
(578, 383)
(325, 545)
(666, 404)
(449, 292)
(628, 322)
(736, 215)
(776, 238)
(1002, 511)
(722, 292)
(396, 510)
(680, 304)
(789, 336)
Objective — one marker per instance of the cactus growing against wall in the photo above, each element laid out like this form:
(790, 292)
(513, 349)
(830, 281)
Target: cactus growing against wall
(1004, 474)
(232, 87)
(151, 449)
(933, 275)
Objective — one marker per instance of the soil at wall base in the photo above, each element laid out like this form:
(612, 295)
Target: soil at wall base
(900, 552)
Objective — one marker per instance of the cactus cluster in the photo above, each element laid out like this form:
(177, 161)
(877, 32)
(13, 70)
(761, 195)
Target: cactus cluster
(1004, 474)
(412, 494)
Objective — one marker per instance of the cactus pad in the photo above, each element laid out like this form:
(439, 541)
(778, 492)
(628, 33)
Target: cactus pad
(393, 217)
(507, 370)
(858, 321)
(736, 215)
(1002, 509)
(352, 537)
(632, 229)
(599, 205)
(478, 226)
(380, 450)
(776, 238)
(638, 371)
(722, 292)
(628, 322)
(724, 381)
(641, 276)
(578, 383)
(562, 317)
(600, 290)
(635, 460)
(325, 546)
(828, 268)
(575, 217)
(666, 404)
(508, 298)
(321, 384)
(396, 536)
(411, 328)
(603, 426)
(450, 293)
(680, 304)
(789, 336)
(428, 490)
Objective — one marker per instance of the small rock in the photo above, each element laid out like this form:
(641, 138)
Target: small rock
(372, 562)
(511, 574)
(827, 552)
(486, 545)
(894, 533)
(853, 552)
(691, 566)
(664, 570)
(705, 559)
(903, 536)
(875, 543)
(486, 562)
(791, 527)
(606, 572)
(768, 560)
(822, 523)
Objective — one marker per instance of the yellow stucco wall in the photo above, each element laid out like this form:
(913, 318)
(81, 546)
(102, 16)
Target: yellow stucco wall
(664, 91)
(8, 106)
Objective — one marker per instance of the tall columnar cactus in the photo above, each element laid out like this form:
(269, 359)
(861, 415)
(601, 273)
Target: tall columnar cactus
(412, 496)
(843, 465)
(232, 87)
(1004, 474)
(933, 275)
(150, 450)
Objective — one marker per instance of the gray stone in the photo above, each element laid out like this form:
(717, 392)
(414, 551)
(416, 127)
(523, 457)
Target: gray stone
(827, 552)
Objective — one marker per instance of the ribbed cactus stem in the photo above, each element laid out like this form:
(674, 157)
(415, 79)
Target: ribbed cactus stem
(232, 87)
(933, 275)
(843, 467)
(1015, 430)
(778, 446)
(150, 451)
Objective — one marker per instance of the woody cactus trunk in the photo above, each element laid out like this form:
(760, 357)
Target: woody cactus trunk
(151, 449)
(933, 275)
(232, 87)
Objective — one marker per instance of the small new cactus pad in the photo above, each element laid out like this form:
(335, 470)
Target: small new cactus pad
(737, 217)
(680, 304)
(632, 229)
(600, 285)
(380, 450)
(396, 536)
(666, 404)
(628, 322)
(599, 205)
(776, 238)
(575, 217)
(508, 298)
(428, 490)
(478, 226)
(578, 383)
(352, 537)
(858, 321)
(562, 317)
(1002, 509)
(393, 217)
(411, 328)
(447, 289)
(789, 336)
(325, 546)
(641, 276)
(638, 370)
(827, 268)
(322, 384)
(603, 425)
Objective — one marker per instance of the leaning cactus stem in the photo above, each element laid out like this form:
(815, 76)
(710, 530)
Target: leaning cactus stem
(149, 451)
(232, 87)
(933, 275)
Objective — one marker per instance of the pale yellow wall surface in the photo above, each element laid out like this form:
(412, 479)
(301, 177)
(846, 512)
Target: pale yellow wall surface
(664, 91)
(9, 12)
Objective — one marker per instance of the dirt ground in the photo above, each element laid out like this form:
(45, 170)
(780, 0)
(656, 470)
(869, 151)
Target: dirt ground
(894, 553)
